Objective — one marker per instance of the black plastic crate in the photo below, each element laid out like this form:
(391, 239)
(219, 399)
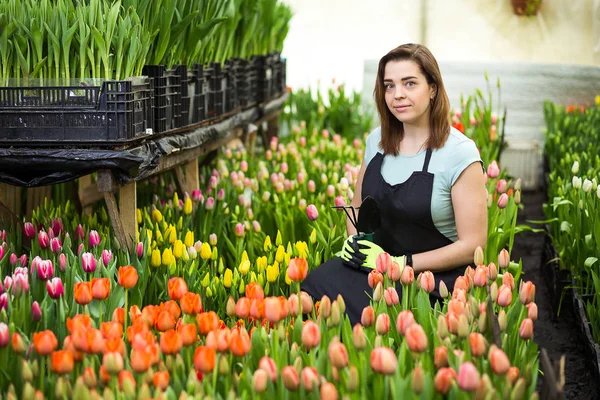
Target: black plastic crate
(112, 111)
(200, 90)
(216, 90)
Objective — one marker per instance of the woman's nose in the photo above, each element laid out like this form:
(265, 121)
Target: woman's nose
(399, 93)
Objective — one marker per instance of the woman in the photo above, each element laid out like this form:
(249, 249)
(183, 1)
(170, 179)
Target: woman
(425, 176)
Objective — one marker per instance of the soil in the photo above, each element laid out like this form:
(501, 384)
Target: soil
(558, 335)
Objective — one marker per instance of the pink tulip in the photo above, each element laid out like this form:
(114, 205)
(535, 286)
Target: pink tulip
(210, 203)
(532, 311)
(503, 201)
(468, 377)
(509, 280)
(340, 201)
(43, 240)
(501, 186)
(4, 335)
(139, 249)
(212, 239)
(382, 262)
(57, 226)
(359, 338)
(36, 311)
(338, 355)
(404, 320)
(7, 282)
(196, 195)
(498, 361)
(382, 325)
(94, 239)
(88, 262)
(527, 292)
(45, 270)
(55, 288)
(55, 245)
(504, 296)
(311, 334)
(79, 233)
(311, 186)
(239, 230)
(213, 182)
(290, 377)
(62, 262)
(416, 338)
(526, 329)
(374, 278)
(368, 316)
(503, 259)
(221, 194)
(29, 230)
(427, 281)
(23, 260)
(13, 260)
(394, 272)
(312, 212)
(330, 191)
(256, 226)
(390, 295)
(4, 300)
(481, 276)
(408, 276)
(310, 378)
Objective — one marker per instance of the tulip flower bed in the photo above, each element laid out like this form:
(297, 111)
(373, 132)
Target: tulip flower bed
(208, 302)
(574, 205)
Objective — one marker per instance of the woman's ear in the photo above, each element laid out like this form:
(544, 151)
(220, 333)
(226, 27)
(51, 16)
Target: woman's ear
(432, 91)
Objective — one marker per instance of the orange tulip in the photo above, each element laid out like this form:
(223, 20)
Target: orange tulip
(526, 329)
(191, 303)
(104, 376)
(172, 308)
(170, 342)
(160, 380)
(254, 291)
(119, 315)
(79, 321)
(83, 293)
(164, 321)
(291, 380)
(297, 269)
(382, 324)
(408, 275)
(177, 288)
(127, 276)
(242, 307)
(239, 342)
(127, 382)
(498, 361)
(416, 338)
(17, 343)
(310, 378)
(88, 340)
(44, 342)
(504, 296)
(268, 365)
(481, 276)
(527, 292)
(207, 322)
(384, 360)
(140, 360)
(456, 306)
(218, 339)
(404, 320)
(133, 330)
(257, 309)
(338, 355)
(443, 380)
(188, 333)
(461, 283)
(275, 309)
(368, 316)
(89, 377)
(205, 359)
(100, 288)
(70, 346)
(134, 313)
(62, 362)
(477, 344)
(512, 375)
(440, 357)
(149, 314)
(113, 362)
(509, 280)
(111, 330)
(115, 345)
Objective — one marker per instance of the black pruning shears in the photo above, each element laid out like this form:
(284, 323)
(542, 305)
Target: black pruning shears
(368, 221)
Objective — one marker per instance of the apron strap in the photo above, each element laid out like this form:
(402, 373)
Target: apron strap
(427, 158)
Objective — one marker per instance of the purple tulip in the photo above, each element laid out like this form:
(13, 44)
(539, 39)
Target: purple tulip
(23, 260)
(94, 239)
(3, 301)
(62, 262)
(55, 245)
(36, 311)
(196, 194)
(88, 262)
(79, 233)
(210, 203)
(43, 240)
(140, 249)
(503, 201)
(29, 230)
(45, 270)
(106, 257)
(55, 288)
(239, 230)
(312, 212)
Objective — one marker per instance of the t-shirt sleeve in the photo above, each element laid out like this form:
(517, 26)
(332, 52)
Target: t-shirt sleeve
(372, 145)
(465, 154)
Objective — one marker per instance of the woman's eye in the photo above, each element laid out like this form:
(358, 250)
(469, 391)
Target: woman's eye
(410, 84)
(388, 86)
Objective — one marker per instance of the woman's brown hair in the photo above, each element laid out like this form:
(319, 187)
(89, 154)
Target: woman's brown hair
(392, 130)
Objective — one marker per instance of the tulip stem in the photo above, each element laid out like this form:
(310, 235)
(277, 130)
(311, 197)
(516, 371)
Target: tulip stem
(125, 314)
(215, 372)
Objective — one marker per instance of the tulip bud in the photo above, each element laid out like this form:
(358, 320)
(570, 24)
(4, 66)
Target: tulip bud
(359, 338)
(378, 292)
(478, 257)
(532, 311)
(468, 377)
(368, 316)
(443, 289)
(417, 379)
(36, 311)
(526, 329)
(463, 326)
(442, 327)
(382, 325)
(441, 357)
(502, 320)
(26, 373)
(575, 168)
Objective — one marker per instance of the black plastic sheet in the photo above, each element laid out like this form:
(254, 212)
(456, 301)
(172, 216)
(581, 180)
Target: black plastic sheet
(31, 167)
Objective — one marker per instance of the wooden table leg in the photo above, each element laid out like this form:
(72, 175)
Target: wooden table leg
(10, 196)
(188, 176)
(273, 127)
(127, 209)
(85, 182)
(123, 216)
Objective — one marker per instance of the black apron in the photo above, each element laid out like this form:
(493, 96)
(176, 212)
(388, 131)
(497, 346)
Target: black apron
(406, 227)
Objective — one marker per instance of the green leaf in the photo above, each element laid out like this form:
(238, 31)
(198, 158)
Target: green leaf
(590, 261)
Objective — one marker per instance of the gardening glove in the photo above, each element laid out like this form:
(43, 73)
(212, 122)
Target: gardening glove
(359, 253)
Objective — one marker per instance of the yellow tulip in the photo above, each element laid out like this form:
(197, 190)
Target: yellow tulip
(189, 239)
(175, 199)
(242, 288)
(178, 249)
(227, 279)
(252, 277)
(261, 263)
(156, 215)
(205, 280)
(167, 257)
(272, 273)
(278, 239)
(138, 215)
(215, 254)
(287, 258)
(159, 237)
(313, 236)
(244, 267)
(179, 223)
(205, 251)
(244, 255)
(187, 206)
(149, 235)
(302, 249)
(171, 234)
(209, 292)
(185, 255)
(155, 260)
(598, 100)
(267, 246)
(288, 281)
(279, 256)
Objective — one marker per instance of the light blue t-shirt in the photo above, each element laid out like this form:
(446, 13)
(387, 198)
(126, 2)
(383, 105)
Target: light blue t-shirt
(447, 163)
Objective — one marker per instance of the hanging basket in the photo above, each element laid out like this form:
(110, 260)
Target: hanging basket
(526, 7)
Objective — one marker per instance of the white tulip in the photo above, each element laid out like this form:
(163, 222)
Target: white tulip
(575, 167)
(576, 182)
(587, 186)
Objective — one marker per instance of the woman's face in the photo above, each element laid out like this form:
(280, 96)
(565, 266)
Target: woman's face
(407, 93)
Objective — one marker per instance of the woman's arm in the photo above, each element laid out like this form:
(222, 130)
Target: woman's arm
(356, 200)
(469, 200)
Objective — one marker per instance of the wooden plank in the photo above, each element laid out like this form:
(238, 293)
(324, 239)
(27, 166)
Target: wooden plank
(273, 126)
(106, 182)
(8, 203)
(127, 211)
(192, 179)
(88, 193)
(115, 217)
